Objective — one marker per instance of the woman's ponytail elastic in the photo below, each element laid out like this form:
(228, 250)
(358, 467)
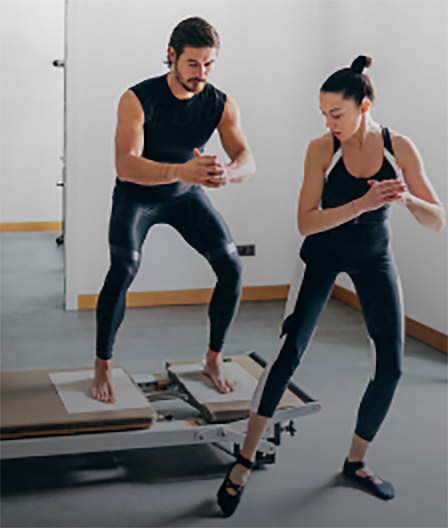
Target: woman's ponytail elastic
(360, 64)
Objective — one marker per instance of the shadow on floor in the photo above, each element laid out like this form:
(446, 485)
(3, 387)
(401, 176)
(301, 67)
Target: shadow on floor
(144, 466)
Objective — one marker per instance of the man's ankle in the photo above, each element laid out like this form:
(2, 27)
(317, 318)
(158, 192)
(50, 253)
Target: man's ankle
(105, 364)
(212, 355)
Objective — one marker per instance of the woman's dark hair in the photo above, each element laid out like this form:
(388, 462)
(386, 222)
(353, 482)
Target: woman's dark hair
(195, 32)
(352, 82)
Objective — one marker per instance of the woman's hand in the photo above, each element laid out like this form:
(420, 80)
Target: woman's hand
(381, 193)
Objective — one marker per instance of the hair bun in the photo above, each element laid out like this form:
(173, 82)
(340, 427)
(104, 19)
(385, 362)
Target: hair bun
(360, 63)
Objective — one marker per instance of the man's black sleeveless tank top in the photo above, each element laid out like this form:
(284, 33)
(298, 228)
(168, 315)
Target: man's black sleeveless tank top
(174, 127)
(341, 187)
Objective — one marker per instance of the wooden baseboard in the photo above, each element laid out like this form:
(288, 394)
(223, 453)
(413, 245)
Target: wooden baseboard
(419, 331)
(427, 335)
(30, 226)
(182, 297)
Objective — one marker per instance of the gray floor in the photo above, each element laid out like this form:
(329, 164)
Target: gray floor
(176, 486)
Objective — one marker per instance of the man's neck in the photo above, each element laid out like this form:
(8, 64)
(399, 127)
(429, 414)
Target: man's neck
(176, 88)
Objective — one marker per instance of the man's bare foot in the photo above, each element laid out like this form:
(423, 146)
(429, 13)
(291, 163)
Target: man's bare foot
(214, 369)
(101, 388)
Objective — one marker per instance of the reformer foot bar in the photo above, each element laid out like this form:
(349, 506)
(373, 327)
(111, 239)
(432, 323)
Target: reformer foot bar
(174, 417)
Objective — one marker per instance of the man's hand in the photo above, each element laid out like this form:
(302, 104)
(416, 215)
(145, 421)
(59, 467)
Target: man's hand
(203, 170)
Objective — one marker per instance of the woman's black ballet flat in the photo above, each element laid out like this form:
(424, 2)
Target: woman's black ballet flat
(227, 502)
(374, 484)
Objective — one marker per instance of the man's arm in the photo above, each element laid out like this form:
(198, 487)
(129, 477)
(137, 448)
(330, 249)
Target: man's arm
(132, 167)
(234, 142)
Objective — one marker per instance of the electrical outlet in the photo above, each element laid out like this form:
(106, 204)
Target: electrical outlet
(247, 250)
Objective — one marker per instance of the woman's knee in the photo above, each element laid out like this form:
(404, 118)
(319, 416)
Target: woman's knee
(290, 355)
(389, 374)
(394, 374)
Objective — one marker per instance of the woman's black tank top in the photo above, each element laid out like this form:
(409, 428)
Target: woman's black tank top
(341, 187)
(353, 245)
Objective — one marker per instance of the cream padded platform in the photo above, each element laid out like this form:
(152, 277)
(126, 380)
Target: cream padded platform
(226, 410)
(32, 407)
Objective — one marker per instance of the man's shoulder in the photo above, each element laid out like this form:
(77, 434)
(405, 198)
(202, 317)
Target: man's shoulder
(148, 85)
(214, 95)
(212, 89)
(149, 91)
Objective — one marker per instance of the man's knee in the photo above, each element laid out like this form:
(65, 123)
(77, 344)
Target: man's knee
(234, 267)
(124, 267)
(228, 267)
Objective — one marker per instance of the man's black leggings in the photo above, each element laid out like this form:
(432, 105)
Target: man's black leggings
(195, 218)
(374, 275)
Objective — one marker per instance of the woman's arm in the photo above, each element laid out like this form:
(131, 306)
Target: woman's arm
(421, 199)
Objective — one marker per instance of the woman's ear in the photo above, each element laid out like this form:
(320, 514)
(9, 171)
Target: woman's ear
(365, 105)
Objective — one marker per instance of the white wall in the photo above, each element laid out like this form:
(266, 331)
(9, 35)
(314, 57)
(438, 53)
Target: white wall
(31, 107)
(115, 43)
(409, 44)
(275, 55)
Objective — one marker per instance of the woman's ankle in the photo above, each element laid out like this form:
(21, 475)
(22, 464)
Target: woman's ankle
(249, 455)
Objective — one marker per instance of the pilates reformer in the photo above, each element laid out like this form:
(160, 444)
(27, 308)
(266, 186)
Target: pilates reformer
(171, 412)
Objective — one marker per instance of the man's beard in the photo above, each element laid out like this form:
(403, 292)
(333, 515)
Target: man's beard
(184, 83)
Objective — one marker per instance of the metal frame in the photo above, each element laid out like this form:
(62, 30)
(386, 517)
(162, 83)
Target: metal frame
(167, 430)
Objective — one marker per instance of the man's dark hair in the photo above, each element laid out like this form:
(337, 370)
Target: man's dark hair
(195, 32)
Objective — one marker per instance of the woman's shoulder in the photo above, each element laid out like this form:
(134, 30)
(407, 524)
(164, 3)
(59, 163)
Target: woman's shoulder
(402, 145)
(322, 148)
(324, 142)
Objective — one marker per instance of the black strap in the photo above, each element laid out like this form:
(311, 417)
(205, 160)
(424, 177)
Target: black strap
(336, 144)
(245, 462)
(386, 139)
(354, 466)
(229, 484)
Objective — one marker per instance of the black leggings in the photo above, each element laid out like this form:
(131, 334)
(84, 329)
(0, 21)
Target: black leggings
(194, 217)
(374, 275)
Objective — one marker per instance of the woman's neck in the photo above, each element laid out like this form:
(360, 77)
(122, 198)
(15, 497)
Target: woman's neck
(367, 128)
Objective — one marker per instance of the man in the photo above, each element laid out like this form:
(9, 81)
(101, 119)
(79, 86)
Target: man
(163, 123)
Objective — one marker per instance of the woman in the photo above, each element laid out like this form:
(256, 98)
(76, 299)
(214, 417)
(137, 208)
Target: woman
(351, 179)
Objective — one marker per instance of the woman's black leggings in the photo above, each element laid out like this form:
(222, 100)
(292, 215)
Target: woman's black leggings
(367, 260)
(195, 218)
